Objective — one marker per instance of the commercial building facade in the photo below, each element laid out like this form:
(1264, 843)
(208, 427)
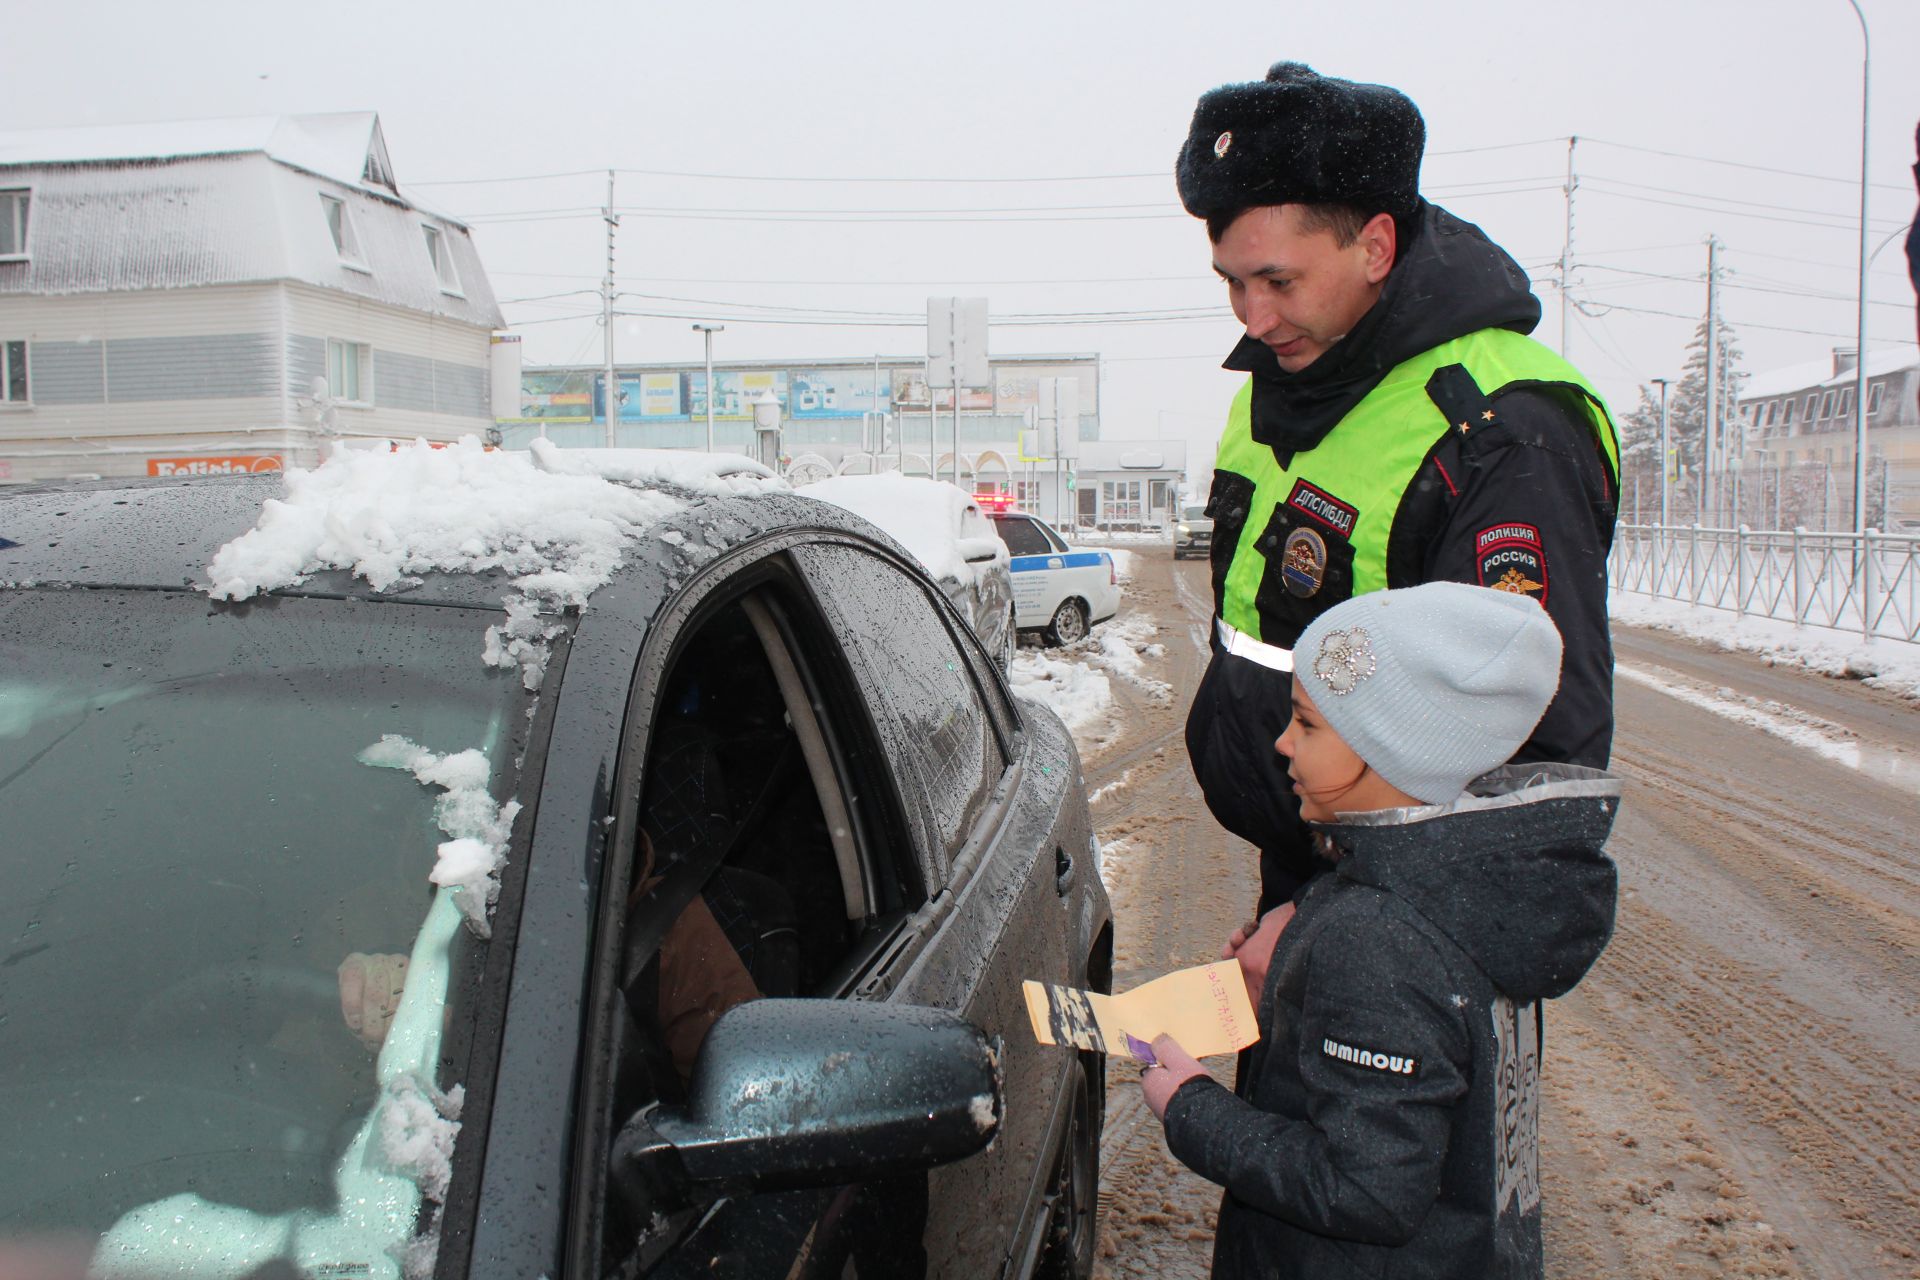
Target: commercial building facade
(225, 295)
(853, 416)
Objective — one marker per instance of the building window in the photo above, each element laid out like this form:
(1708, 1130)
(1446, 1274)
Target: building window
(1826, 405)
(13, 223)
(13, 372)
(349, 371)
(1786, 414)
(1846, 401)
(1874, 397)
(440, 253)
(346, 242)
(1807, 410)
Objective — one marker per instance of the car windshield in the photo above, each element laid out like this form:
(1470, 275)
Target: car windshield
(233, 1008)
(1194, 513)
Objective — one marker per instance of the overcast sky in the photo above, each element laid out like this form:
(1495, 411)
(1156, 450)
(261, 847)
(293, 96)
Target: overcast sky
(803, 105)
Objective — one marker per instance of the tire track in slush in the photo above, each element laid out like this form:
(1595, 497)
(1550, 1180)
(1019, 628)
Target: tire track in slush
(1733, 1089)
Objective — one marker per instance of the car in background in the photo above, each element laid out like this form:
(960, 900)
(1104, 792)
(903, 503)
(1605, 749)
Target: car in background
(1192, 532)
(471, 910)
(945, 529)
(1058, 590)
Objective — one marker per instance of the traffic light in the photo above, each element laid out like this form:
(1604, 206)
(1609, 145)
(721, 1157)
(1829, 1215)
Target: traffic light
(1069, 482)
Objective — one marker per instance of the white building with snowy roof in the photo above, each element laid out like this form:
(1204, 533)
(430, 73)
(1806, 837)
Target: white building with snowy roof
(223, 295)
(1802, 416)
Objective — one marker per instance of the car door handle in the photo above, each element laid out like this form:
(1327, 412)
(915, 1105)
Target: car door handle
(1055, 562)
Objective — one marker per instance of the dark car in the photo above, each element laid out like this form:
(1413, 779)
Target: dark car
(720, 972)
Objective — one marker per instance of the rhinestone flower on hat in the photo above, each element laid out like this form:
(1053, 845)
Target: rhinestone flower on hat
(1345, 659)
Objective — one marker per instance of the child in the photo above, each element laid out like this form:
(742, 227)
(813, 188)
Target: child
(1387, 1124)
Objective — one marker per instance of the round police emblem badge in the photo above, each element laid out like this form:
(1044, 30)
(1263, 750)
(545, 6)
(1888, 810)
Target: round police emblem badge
(1303, 563)
(1221, 143)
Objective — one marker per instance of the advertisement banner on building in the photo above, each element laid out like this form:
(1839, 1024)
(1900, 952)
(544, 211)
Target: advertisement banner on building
(660, 396)
(910, 392)
(836, 393)
(1016, 388)
(737, 390)
(236, 464)
(557, 397)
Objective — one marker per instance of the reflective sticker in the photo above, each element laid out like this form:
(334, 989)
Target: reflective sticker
(1303, 563)
(1516, 1127)
(1511, 557)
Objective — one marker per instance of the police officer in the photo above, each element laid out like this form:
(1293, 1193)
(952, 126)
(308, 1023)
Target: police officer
(1397, 426)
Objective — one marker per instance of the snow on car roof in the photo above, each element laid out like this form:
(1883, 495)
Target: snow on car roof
(559, 526)
(927, 517)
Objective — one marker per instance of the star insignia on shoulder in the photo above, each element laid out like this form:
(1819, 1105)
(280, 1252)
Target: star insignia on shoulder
(1487, 416)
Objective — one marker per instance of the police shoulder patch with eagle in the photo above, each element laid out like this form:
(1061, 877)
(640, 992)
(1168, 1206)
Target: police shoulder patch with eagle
(1512, 557)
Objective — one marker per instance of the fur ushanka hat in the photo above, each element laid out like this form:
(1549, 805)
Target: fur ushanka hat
(1299, 137)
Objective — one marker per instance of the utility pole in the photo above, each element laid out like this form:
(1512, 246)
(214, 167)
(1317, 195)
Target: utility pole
(1710, 446)
(1566, 248)
(612, 396)
(1663, 449)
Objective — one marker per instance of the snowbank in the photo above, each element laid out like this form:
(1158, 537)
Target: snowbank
(1892, 665)
(1074, 691)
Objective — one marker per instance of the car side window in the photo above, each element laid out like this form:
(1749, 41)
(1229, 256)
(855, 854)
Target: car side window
(933, 725)
(753, 876)
(1022, 536)
(1055, 540)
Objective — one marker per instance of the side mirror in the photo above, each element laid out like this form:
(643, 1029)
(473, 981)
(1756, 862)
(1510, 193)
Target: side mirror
(801, 1093)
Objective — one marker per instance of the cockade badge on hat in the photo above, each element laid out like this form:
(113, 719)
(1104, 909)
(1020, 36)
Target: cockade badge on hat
(1221, 143)
(1346, 658)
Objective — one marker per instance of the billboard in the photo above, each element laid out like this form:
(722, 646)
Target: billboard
(1016, 388)
(557, 397)
(910, 392)
(659, 396)
(735, 390)
(836, 393)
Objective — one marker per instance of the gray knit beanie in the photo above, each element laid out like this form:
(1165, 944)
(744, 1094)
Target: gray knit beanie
(1431, 685)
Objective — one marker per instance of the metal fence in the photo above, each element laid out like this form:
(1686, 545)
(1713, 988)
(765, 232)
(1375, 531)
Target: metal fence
(1868, 585)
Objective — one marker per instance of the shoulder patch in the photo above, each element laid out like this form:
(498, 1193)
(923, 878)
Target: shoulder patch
(1512, 557)
(1394, 1064)
(1323, 508)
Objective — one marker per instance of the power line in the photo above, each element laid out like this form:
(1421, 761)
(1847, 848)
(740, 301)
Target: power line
(1737, 164)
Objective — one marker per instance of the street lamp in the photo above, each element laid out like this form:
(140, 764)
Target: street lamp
(1663, 449)
(1860, 356)
(709, 330)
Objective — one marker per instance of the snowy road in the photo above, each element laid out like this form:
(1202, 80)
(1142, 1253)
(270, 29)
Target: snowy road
(1735, 1090)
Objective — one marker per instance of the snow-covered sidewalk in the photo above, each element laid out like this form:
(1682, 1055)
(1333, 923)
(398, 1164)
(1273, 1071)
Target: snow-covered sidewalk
(1892, 665)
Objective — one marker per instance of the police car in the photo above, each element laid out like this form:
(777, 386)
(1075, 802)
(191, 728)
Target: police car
(1057, 589)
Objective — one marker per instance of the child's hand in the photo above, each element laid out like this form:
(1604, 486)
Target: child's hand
(1253, 948)
(1175, 1066)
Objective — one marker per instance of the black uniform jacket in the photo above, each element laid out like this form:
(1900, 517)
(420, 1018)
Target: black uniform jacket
(1386, 1124)
(1539, 468)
